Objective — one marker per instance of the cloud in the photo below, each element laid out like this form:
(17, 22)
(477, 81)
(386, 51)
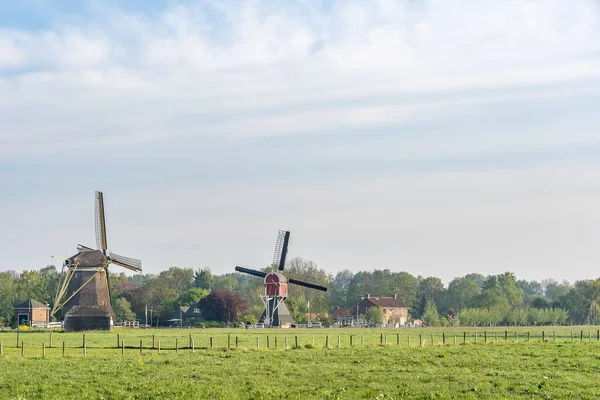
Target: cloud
(283, 68)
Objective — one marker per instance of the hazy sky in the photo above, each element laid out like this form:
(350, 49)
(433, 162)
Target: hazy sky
(439, 137)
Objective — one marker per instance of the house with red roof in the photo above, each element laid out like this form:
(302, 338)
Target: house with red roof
(394, 310)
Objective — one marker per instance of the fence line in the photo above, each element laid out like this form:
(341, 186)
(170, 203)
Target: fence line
(30, 344)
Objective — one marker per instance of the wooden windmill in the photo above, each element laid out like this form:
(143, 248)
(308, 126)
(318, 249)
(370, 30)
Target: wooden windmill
(276, 313)
(83, 292)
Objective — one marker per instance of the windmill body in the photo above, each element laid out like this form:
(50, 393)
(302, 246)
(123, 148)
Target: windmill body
(83, 293)
(276, 313)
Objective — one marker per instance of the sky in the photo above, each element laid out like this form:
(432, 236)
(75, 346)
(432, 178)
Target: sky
(438, 137)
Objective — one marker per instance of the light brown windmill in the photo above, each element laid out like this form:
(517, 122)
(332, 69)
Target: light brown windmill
(83, 292)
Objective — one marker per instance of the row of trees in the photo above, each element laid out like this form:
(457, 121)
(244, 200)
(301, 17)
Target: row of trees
(473, 299)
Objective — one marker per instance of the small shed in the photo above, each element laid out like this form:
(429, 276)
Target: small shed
(32, 312)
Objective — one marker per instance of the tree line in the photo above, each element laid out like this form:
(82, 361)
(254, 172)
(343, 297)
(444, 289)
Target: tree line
(473, 299)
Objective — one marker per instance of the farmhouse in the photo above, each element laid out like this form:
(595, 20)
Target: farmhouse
(32, 312)
(394, 310)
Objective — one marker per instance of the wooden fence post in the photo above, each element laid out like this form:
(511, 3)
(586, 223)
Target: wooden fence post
(554, 336)
(83, 341)
(153, 341)
(527, 336)
(327, 341)
(268, 344)
(18, 339)
(177, 344)
(581, 336)
(210, 340)
(1, 349)
(193, 346)
(257, 343)
(190, 341)
(228, 341)
(122, 347)
(158, 346)
(455, 338)
(475, 336)
(63, 349)
(339, 341)
(84, 347)
(43, 350)
(381, 338)
(296, 338)
(285, 346)
(421, 339)
(398, 339)
(464, 337)
(443, 338)
(22, 349)
(140, 347)
(236, 342)
(543, 336)
(50, 339)
(350, 340)
(484, 336)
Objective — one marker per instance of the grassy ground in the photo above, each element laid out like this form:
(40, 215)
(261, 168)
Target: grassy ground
(565, 368)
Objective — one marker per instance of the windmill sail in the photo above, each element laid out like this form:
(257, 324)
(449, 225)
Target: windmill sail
(281, 247)
(126, 262)
(100, 222)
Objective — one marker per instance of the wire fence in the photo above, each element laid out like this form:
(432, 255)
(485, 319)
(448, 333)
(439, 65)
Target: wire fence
(35, 344)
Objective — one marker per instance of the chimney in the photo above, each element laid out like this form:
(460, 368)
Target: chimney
(368, 296)
(395, 296)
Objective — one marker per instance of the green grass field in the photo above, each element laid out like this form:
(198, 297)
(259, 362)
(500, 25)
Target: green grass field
(565, 365)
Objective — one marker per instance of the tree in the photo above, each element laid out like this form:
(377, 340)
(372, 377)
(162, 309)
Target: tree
(223, 306)
(203, 278)
(462, 292)
(122, 309)
(375, 315)
(192, 296)
(7, 296)
(430, 315)
(339, 288)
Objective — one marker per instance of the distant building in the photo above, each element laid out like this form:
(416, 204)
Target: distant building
(394, 310)
(344, 316)
(32, 312)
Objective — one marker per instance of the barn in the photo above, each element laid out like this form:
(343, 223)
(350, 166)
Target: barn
(32, 312)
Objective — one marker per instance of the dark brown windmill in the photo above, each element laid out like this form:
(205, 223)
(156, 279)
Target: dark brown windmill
(83, 292)
(276, 313)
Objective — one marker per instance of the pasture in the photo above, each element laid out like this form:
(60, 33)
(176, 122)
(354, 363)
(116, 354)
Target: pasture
(549, 362)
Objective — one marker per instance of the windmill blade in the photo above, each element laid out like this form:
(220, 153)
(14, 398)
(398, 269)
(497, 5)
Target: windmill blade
(281, 248)
(251, 271)
(82, 248)
(126, 262)
(100, 222)
(306, 284)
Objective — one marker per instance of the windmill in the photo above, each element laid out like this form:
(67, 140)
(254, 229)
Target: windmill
(276, 286)
(83, 292)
